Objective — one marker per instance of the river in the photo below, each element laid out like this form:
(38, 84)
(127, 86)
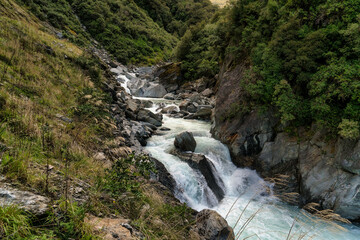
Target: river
(248, 206)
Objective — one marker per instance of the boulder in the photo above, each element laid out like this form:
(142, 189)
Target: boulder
(170, 109)
(33, 203)
(185, 141)
(206, 168)
(150, 117)
(155, 91)
(211, 226)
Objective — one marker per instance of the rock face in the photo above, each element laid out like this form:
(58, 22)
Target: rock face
(33, 203)
(185, 141)
(211, 226)
(322, 171)
(206, 168)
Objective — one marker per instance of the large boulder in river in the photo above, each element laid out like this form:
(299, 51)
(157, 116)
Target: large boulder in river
(185, 141)
(206, 168)
(211, 226)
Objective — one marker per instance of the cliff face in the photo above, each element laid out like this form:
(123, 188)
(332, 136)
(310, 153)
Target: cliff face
(322, 171)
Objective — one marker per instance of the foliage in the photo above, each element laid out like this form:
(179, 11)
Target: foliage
(303, 56)
(349, 129)
(124, 174)
(176, 16)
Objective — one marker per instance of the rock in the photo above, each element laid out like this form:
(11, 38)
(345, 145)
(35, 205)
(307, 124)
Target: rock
(133, 105)
(170, 109)
(33, 203)
(207, 169)
(116, 71)
(164, 129)
(164, 176)
(185, 141)
(203, 113)
(150, 117)
(282, 151)
(144, 88)
(207, 92)
(191, 108)
(111, 229)
(211, 226)
(155, 91)
(63, 118)
(147, 103)
(184, 104)
(169, 96)
(169, 73)
(352, 162)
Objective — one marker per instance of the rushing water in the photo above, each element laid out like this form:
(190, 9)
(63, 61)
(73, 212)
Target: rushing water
(255, 213)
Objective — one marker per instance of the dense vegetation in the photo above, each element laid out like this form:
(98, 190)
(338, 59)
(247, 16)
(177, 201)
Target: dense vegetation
(302, 57)
(136, 32)
(175, 16)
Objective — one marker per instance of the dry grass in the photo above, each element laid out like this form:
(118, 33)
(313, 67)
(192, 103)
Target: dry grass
(221, 3)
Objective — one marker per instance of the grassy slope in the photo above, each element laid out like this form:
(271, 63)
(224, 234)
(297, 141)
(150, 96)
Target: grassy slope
(43, 77)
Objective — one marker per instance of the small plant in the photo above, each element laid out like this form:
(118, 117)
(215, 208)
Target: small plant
(349, 129)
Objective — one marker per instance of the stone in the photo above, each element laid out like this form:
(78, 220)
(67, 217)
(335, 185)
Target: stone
(185, 141)
(111, 228)
(169, 96)
(206, 168)
(150, 117)
(211, 226)
(155, 91)
(63, 118)
(116, 71)
(170, 109)
(33, 203)
(207, 92)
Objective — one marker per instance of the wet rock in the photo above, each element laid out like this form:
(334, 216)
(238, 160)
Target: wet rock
(146, 103)
(185, 141)
(169, 96)
(33, 203)
(184, 104)
(211, 226)
(170, 109)
(164, 176)
(206, 168)
(116, 71)
(191, 108)
(164, 129)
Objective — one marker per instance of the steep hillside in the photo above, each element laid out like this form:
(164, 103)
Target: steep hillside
(65, 144)
(135, 32)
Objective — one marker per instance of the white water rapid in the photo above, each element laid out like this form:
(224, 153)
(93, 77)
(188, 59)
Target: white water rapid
(255, 213)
